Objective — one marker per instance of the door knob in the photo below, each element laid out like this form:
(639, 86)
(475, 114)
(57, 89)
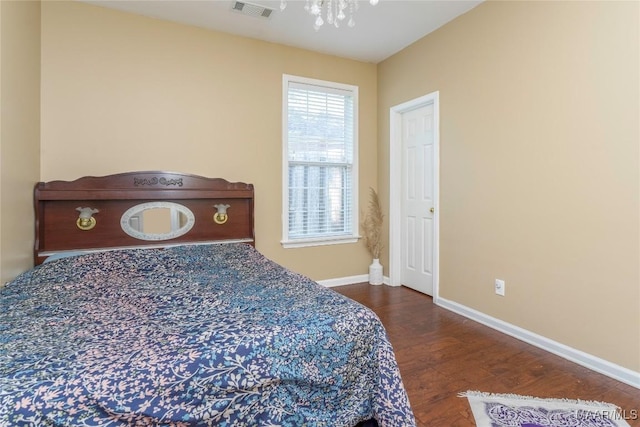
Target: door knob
(432, 210)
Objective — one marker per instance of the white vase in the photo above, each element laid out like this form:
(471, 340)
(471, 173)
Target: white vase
(375, 272)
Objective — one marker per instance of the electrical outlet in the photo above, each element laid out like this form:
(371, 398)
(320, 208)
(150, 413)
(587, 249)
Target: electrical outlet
(500, 287)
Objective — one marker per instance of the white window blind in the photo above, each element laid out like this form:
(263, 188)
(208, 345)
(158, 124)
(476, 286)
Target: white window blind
(319, 152)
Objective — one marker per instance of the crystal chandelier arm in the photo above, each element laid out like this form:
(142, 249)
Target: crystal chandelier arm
(334, 11)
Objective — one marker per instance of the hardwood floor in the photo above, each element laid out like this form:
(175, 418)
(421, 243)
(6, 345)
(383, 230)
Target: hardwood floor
(441, 354)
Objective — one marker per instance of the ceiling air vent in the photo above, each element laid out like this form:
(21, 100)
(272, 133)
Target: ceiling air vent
(252, 9)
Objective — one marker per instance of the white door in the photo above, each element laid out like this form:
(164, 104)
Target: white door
(417, 198)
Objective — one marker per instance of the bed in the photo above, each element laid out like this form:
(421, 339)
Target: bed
(124, 322)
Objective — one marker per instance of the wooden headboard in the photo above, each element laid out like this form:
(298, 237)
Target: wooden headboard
(56, 204)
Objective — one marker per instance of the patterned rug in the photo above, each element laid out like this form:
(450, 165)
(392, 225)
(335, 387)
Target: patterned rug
(510, 410)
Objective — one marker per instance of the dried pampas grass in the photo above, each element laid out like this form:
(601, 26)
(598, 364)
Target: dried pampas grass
(372, 225)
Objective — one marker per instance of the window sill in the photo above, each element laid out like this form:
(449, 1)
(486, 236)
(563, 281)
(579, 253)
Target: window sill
(302, 243)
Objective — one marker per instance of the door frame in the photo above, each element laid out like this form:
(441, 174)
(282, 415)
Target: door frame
(395, 192)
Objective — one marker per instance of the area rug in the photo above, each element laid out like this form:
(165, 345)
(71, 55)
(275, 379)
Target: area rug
(510, 410)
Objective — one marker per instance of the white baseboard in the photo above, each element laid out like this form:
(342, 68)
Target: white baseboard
(341, 281)
(350, 280)
(594, 363)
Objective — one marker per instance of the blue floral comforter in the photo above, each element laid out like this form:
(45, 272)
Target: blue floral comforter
(190, 336)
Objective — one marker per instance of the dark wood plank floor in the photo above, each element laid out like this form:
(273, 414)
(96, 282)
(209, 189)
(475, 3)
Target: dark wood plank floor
(441, 354)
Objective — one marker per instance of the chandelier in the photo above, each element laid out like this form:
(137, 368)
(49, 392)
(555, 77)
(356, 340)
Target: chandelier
(334, 11)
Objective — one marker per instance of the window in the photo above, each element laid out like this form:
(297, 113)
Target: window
(320, 162)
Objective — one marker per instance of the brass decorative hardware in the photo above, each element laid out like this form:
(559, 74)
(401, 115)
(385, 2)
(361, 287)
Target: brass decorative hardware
(85, 220)
(220, 217)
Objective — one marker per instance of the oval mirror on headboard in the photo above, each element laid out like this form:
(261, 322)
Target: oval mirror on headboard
(157, 221)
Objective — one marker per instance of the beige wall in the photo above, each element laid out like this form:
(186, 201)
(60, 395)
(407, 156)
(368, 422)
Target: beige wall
(19, 132)
(539, 165)
(122, 92)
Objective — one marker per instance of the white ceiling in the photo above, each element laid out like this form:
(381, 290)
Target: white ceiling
(380, 30)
